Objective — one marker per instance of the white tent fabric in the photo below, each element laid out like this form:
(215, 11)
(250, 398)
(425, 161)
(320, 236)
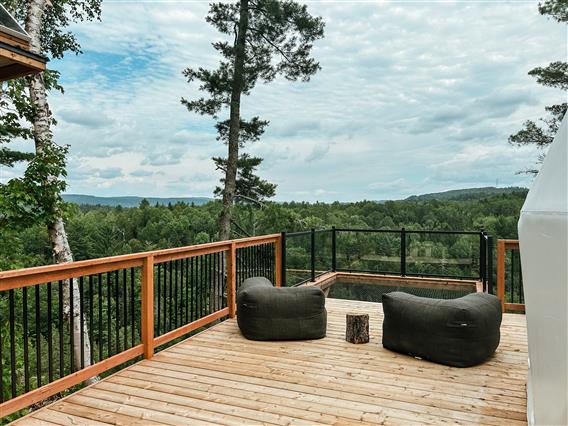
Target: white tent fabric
(543, 239)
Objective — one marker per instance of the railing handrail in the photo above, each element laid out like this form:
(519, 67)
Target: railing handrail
(502, 246)
(24, 277)
(408, 231)
(20, 278)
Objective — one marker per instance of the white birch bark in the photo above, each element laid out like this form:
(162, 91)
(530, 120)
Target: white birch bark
(57, 235)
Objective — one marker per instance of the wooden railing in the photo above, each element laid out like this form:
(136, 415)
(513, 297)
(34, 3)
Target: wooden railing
(509, 276)
(153, 277)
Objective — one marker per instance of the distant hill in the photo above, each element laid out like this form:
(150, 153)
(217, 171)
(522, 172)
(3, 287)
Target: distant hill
(91, 200)
(467, 194)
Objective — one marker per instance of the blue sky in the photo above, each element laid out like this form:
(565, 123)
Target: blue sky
(413, 97)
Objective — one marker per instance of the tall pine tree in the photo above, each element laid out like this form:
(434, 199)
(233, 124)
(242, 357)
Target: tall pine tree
(554, 75)
(268, 38)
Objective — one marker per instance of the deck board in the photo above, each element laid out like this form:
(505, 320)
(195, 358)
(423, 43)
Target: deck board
(218, 377)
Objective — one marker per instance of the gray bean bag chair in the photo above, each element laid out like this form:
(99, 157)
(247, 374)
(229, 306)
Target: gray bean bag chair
(265, 312)
(459, 332)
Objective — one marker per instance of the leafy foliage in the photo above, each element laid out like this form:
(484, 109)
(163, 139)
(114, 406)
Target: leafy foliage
(35, 197)
(555, 8)
(250, 187)
(554, 75)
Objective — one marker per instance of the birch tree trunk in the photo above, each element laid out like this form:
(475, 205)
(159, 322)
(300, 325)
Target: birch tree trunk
(56, 228)
(234, 124)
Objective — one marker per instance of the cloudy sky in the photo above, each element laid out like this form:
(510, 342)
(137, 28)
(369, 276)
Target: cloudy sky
(413, 97)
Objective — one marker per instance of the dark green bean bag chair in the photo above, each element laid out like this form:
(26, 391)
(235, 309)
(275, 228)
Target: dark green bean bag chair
(265, 312)
(459, 332)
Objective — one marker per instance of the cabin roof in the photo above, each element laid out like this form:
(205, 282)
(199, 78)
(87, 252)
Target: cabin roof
(16, 59)
(10, 26)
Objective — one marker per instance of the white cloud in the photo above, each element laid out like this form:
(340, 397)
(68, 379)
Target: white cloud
(412, 97)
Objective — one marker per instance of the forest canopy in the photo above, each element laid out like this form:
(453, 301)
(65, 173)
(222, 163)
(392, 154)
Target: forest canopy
(105, 231)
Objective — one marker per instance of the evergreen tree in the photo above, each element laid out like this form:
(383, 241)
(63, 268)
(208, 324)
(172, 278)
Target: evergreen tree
(250, 188)
(270, 38)
(554, 75)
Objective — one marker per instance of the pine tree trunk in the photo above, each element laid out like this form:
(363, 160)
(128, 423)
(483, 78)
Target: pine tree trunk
(234, 124)
(56, 228)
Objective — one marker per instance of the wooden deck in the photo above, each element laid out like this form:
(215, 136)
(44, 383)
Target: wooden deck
(218, 377)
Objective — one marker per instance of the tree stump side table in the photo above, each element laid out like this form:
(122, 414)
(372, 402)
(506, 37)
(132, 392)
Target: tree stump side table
(357, 328)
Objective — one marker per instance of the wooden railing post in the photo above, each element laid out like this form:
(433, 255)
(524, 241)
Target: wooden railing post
(278, 261)
(232, 280)
(147, 296)
(501, 272)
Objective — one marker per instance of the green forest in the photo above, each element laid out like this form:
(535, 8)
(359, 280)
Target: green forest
(111, 302)
(105, 231)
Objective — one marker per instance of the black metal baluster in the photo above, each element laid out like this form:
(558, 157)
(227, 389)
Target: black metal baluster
(403, 252)
(182, 298)
(258, 259)
(124, 311)
(81, 325)
(175, 301)
(12, 342)
(26, 337)
(242, 273)
(117, 310)
(219, 277)
(252, 260)
(252, 266)
(248, 272)
(207, 284)
(165, 301)
(109, 335)
(313, 254)
(164, 297)
(204, 287)
(282, 270)
(170, 301)
(38, 335)
(271, 248)
(159, 304)
(214, 283)
(49, 336)
(187, 286)
(132, 314)
(100, 328)
(71, 326)
(254, 251)
(521, 294)
(200, 291)
(512, 275)
(266, 262)
(206, 281)
(91, 321)
(199, 280)
(490, 265)
(61, 330)
(192, 287)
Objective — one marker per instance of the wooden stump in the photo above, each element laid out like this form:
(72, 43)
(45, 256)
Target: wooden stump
(357, 328)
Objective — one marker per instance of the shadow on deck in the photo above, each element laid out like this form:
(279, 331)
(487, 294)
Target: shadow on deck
(219, 377)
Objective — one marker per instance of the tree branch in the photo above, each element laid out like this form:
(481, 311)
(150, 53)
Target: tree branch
(278, 49)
